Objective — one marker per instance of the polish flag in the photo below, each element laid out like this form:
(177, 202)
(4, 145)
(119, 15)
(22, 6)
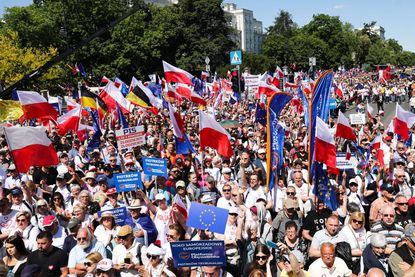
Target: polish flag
(226, 86)
(69, 121)
(178, 208)
(184, 91)
(343, 129)
(177, 122)
(105, 80)
(197, 99)
(404, 120)
(339, 91)
(348, 153)
(83, 130)
(265, 88)
(213, 135)
(71, 104)
(390, 127)
(176, 75)
(370, 111)
(325, 149)
(30, 146)
(291, 85)
(375, 144)
(278, 73)
(35, 105)
(110, 94)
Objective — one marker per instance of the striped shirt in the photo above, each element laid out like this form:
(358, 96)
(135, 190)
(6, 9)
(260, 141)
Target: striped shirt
(393, 233)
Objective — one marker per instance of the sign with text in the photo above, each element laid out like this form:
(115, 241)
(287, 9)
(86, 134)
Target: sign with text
(342, 163)
(332, 104)
(198, 253)
(127, 181)
(155, 167)
(130, 137)
(357, 118)
(120, 215)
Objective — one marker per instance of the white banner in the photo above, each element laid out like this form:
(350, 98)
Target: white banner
(357, 118)
(342, 163)
(130, 137)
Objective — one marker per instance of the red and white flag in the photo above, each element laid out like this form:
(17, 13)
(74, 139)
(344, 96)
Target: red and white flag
(82, 131)
(278, 73)
(375, 143)
(35, 105)
(370, 111)
(176, 75)
(30, 146)
(177, 122)
(404, 120)
(348, 153)
(178, 208)
(325, 148)
(265, 88)
(69, 121)
(111, 95)
(71, 104)
(343, 129)
(213, 135)
(291, 85)
(339, 90)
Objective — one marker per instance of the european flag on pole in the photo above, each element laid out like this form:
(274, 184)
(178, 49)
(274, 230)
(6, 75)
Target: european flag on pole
(323, 189)
(204, 217)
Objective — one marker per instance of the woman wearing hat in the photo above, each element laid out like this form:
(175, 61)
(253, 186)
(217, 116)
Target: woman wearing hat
(42, 210)
(107, 230)
(155, 266)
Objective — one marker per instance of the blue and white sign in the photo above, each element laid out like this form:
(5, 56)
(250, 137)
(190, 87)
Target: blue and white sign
(127, 181)
(236, 57)
(198, 253)
(120, 215)
(155, 167)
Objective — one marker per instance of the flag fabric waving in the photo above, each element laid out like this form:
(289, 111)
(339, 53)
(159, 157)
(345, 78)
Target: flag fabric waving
(324, 144)
(204, 217)
(324, 189)
(213, 135)
(176, 75)
(112, 95)
(343, 129)
(30, 146)
(404, 120)
(69, 121)
(177, 122)
(35, 105)
(10, 110)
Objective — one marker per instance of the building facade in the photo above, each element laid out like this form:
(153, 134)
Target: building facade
(162, 2)
(248, 33)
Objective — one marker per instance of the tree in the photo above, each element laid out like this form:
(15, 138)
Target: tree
(18, 61)
(283, 25)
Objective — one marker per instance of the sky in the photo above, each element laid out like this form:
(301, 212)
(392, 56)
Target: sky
(393, 15)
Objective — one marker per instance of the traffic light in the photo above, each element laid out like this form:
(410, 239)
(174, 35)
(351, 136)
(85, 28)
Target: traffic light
(234, 80)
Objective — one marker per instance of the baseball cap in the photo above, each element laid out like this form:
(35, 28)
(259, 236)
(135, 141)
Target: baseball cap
(210, 179)
(290, 203)
(125, 230)
(48, 220)
(73, 222)
(388, 187)
(261, 151)
(352, 180)
(160, 196)
(400, 160)
(388, 138)
(102, 178)
(16, 191)
(107, 214)
(129, 161)
(226, 170)
(155, 250)
(105, 265)
(410, 231)
(206, 198)
(233, 210)
(60, 176)
(41, 202)
(63, 154)
(11, 167)
(135, 204)
(111, 191)
(180, 183)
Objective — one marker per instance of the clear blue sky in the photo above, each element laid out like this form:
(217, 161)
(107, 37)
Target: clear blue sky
(394, 15)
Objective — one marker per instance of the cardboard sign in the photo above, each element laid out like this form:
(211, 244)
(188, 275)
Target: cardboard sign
(120, 215)
(342, 163)
(198, 253)
(130, 137)
(332, 104)
(357, 118)
(127, 181)
(155, 167)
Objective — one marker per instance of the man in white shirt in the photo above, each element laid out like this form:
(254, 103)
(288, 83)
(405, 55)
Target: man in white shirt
(329, 264)
(15, 179)
(226, 200)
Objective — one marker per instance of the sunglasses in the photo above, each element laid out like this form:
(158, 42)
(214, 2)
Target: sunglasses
(226, 190)
(233, 214)
(403, 204)
(340, 193)
(353, 185)
(87, 264)
(154, 257)
(264, 258)
(20, 220)
(81, 239)
(123, 237)
(113, 160)
(388, 215)
(290, 193)
(234, 195)
(357, 221)
(54, 199)
(170, 236)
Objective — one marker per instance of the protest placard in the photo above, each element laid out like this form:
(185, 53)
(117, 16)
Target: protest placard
(120, 215)
(357, 118)
(128, 138)
(155, 167)
(342, 163)
(198, 253)
(127, 181)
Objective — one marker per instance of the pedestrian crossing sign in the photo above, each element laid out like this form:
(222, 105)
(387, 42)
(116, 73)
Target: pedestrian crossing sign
(236, 57)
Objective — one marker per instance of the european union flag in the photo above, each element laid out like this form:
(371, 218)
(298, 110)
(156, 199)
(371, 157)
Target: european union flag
(323, 189)
(121, 117)
(204, 217)
(184, 147)
(96, 138)
(260, 115)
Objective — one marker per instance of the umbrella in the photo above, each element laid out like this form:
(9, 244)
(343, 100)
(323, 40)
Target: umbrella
(229, 124)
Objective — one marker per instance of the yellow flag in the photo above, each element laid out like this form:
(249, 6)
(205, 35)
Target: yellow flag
(10, 110)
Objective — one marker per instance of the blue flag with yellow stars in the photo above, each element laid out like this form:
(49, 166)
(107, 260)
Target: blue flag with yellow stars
(204, 217)
(323, 188)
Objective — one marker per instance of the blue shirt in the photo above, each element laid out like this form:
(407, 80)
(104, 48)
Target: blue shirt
(77, 254)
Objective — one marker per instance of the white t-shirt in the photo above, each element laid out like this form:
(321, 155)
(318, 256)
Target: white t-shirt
(161, 220)
(339, 268)
(251, 196)
(120, 253)
(8, 222)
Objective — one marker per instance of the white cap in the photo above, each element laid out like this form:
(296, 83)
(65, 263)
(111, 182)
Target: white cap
(105, 264)
(206, 198)
(233, 210)
(160, 196)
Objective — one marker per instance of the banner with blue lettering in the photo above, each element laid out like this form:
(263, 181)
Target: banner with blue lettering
(198, 253)
(155, 167)
(127, 181)
(120, 215)
(275, 135)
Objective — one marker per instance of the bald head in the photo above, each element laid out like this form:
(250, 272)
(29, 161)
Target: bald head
(375, 272)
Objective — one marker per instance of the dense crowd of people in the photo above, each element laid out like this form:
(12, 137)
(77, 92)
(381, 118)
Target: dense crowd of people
(57, 220)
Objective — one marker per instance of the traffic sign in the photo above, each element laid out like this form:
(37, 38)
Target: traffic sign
(207, 60)
(236, 57)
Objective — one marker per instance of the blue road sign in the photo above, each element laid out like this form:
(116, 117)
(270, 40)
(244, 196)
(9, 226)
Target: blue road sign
(236, 57)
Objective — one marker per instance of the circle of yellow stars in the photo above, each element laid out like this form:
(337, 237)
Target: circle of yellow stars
(206, 211)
